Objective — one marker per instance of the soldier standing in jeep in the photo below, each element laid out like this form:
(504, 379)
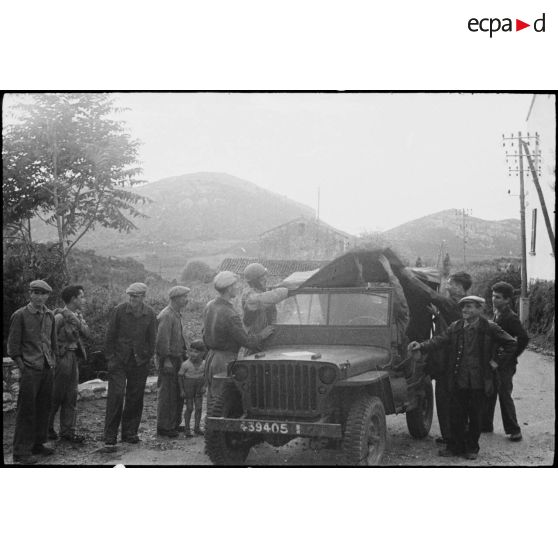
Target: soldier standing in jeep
(258, 305)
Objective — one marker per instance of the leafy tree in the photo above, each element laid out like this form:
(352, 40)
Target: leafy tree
(67, 161)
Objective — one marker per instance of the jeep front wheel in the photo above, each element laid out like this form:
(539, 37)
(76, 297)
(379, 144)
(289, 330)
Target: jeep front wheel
(364, 441)
(419, 420)
(227, 448)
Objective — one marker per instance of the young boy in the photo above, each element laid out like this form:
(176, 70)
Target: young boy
(191, 379)
(70, 331)
(507, 319)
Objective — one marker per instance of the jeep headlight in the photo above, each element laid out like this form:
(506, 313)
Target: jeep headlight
(240, 372)
(327, 374)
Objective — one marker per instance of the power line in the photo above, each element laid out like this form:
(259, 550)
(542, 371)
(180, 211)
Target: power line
(464, 228)
(518, 150)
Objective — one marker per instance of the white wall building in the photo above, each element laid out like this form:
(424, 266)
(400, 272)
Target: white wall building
(541, 118)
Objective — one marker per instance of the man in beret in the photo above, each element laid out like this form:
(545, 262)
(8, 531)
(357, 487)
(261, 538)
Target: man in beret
(32, 345)
(223, 333)
(258, 304)
(476, 348)
(130, 344)
(170, 348)
(507, 319)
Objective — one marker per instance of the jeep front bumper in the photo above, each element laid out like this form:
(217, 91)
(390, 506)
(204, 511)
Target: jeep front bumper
(275, 427)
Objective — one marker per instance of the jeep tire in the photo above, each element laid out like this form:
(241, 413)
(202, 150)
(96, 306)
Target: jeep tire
(419, 420)
(364, 441)
(227, 448)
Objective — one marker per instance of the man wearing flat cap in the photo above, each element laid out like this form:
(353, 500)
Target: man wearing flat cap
(32, 345)
(223, 332)
(476, 349)
(170, 348)
(445, 310)
(130, 344)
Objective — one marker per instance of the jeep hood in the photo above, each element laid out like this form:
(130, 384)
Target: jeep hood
(359, 359)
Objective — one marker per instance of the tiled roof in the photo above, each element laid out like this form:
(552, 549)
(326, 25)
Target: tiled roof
(276, 268)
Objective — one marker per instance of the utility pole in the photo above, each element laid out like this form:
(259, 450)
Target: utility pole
(464, 226)
(535, 176)
(316, 250)
(519, 144)
(439, 261)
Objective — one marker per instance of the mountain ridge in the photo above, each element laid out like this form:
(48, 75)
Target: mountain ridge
(211, 215)
(485, 239)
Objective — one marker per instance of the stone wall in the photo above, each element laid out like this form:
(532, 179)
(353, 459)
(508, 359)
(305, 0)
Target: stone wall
(10, 384)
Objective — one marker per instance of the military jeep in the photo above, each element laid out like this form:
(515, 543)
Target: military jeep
(333, 369)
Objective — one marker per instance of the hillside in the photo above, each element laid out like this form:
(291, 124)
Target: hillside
(211, 216)
(486, 239)
(194, 214)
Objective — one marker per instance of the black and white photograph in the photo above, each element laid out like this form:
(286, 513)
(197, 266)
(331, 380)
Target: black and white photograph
(278, 278)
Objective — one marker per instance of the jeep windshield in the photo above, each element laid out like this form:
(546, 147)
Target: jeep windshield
(335, 309)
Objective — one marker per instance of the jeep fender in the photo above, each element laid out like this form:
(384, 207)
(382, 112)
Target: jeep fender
(375, 382)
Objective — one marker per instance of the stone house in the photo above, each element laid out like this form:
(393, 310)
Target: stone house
(304, 239)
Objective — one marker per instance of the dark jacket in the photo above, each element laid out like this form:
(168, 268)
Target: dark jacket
(509, 322)
(493, 344)
(223, 330)
(33, 337)
(128, 335)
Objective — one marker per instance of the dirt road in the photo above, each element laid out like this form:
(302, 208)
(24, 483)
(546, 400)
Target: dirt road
(533, 393)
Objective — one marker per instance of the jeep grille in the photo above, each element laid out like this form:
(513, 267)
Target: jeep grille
(282, 388)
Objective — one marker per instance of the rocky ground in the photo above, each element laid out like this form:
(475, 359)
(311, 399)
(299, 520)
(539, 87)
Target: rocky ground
(533, 393)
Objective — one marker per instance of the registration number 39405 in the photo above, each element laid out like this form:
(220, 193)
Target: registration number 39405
(264, 427)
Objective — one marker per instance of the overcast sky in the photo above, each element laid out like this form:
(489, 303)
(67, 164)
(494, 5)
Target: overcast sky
(379, 159)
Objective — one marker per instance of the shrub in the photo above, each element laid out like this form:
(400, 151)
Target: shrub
(541, 297)
(541, 308)
(196, 270)
(483, 281)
